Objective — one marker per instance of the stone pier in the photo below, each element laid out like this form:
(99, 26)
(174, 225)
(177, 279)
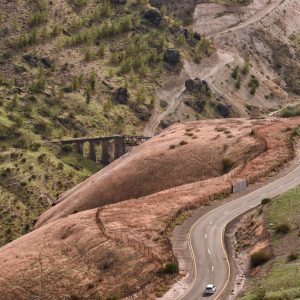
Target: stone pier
(79, 147)
(92, 151)
(105, 157)
(119, 147)
(113, 146)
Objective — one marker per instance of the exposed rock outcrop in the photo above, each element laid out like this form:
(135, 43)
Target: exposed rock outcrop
(223, 110)
(153, 16)
(121, 96)
(172, 57)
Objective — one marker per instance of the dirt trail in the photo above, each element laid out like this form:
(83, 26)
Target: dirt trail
(173, 89)
(269, 8)
(290, 104)
(226, 19)
(175, 86)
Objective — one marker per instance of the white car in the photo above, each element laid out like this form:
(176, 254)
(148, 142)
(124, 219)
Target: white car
(210, 289)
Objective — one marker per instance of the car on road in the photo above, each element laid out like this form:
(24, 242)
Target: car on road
(210, 289)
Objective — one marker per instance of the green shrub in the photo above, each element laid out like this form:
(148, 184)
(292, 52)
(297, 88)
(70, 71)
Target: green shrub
(246, 67)
(253, 85)
(290, 112)
(259, 258)
(39, 84)
(292, 256)
(38, 18)
(171, 268)
(235, 72)
(265, 201)
(238, 83)
(283, 228)
(89, 55)
(227, 164)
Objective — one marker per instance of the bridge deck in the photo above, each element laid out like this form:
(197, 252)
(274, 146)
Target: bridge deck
(98, 139)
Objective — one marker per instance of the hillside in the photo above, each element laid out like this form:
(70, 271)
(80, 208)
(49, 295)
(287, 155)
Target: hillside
(84, 68)
(73, 69)
(277, 242)
(83, 252)
(176, 157)
(189, 74)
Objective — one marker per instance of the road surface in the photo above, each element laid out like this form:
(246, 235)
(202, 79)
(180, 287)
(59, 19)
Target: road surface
(206, 237)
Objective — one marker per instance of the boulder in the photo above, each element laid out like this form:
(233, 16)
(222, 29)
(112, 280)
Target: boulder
(165, 123)
(121, 96)
(197, 36)
(142, 112)
(198, 83)
(153, 16)
(47, 62)
(197, 105)
(223, 110)
(163, 103)
(185, 32)
(190, 85)
(195, 84)
(172, 57)
(31, 59)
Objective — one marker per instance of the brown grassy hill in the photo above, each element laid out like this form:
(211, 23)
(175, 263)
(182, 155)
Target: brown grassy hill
(79, 256)
(181, 154)
(71, 259)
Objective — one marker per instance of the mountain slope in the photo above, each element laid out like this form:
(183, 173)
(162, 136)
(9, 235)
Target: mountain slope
(61, 66)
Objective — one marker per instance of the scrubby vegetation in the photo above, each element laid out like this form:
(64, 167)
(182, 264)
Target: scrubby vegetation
(279, 276)
(290, 112)
(259, 258)
(62, 64)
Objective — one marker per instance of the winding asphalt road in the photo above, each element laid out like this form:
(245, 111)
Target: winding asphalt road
(206, 237)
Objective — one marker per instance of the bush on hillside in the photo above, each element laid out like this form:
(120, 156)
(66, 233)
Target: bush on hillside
(283, 228)
(171, 268)
(292, 256)
(259, 258)
(265, 201)
(227, 164)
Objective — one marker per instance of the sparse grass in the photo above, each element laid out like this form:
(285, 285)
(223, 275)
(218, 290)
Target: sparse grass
(290, 112)
(94, 47)
(281, 277)
(285, 209)
(282, 282)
